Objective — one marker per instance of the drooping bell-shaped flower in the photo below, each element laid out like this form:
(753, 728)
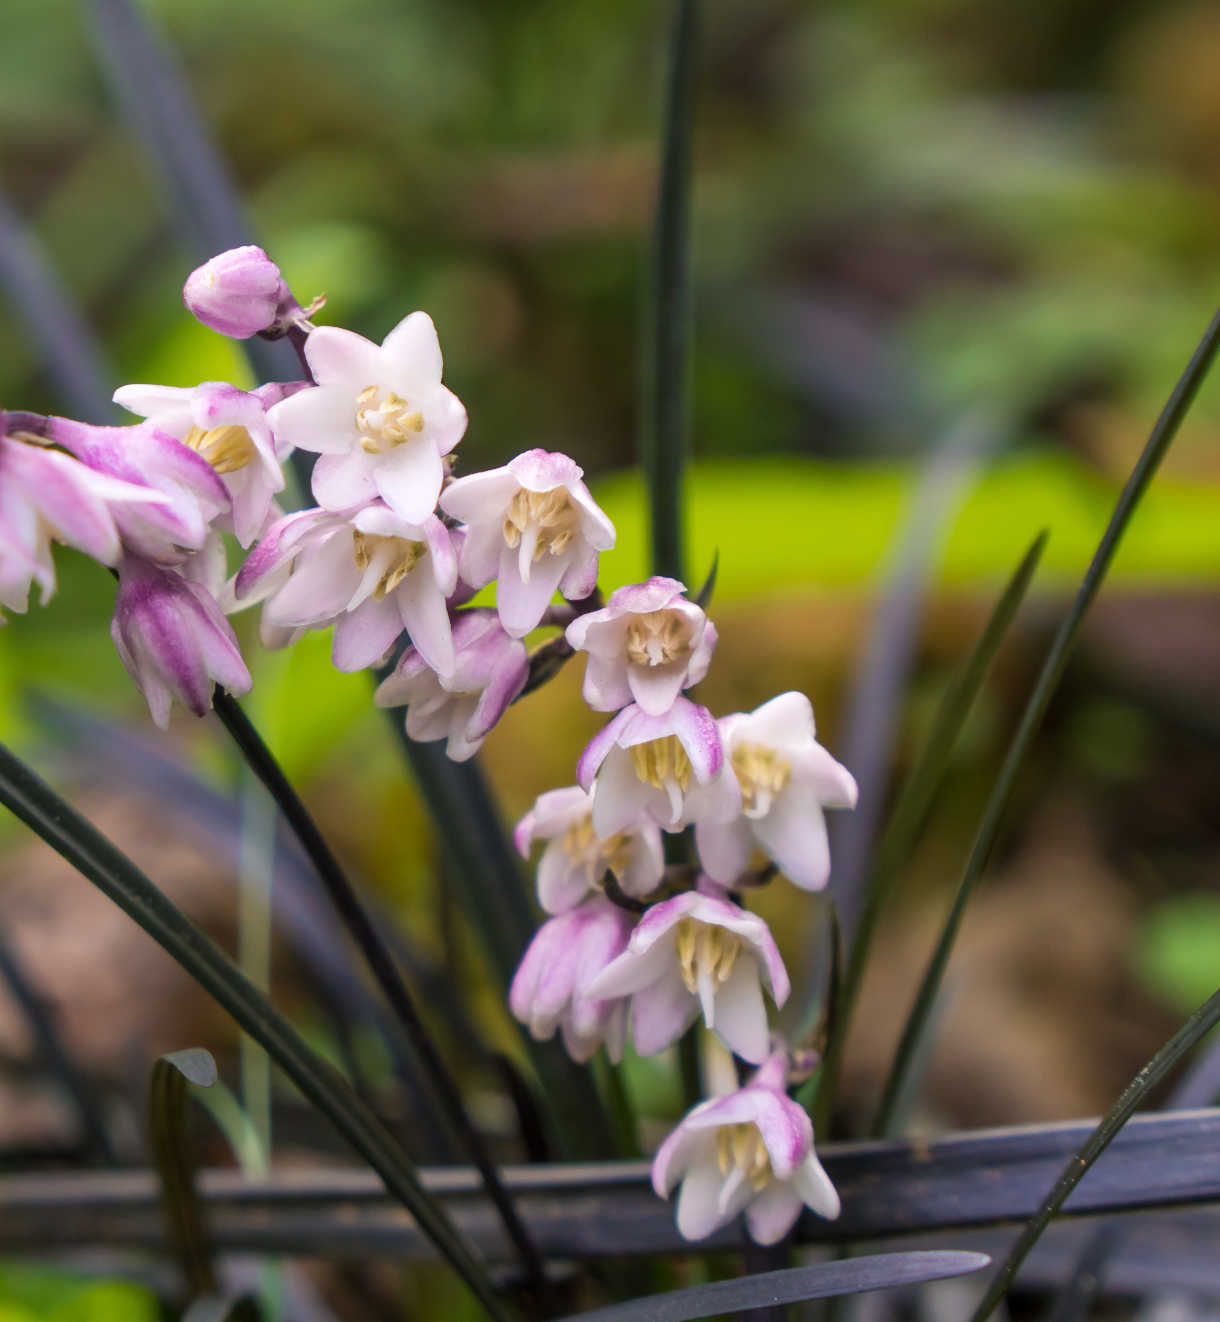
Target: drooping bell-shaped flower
(45, 497)
(174, 639)
(646, 645)
(576, 858)
(750, 1151)
(489, 671)
(378, 416)
(550, 988)
(534, 528)
(227, 427)
(667, 768)
(786, 779)
(368, 572)
(698, 953)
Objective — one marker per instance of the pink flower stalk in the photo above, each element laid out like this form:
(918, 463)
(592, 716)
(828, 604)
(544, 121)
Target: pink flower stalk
(576, 858)
(227, 427)
(174, 639)
(668, 768)
(750, 1151)
(368, 572)
(190, 493)
(489, 671)
(646, 645)
(378, 416)
(238, 293)
(698, 952)
(786, 778)
(550, 988)
(48, 496)
(534, 527)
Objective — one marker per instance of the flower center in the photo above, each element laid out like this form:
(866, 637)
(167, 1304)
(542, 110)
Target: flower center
(595, 856)
(742, 1146)
(394, 556)
(761, 773)
(547, 517)
(385, 420)
(706, 950)
(661, 760)
(658, 638)
(226, 448)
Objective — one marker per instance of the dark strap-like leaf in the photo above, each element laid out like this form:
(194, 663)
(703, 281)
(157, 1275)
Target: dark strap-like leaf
(168, 1102)
(824, 1281)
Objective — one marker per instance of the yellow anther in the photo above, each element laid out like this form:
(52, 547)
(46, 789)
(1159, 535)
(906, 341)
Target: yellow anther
(659, 759)
(742, 1146)
(550, 514)
(658, 637)
(385, 420)
(587, 850)
(226, 448)
(761, 773)
(397, 556)
(705, 947)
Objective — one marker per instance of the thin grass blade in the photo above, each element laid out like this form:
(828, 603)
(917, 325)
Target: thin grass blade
(1158, 443)
(74, 363)
(96, 858)
(665, 415)
(916, 798)
(882, 1271)
(1201, 1022)
(168, 1104)
(704, 596)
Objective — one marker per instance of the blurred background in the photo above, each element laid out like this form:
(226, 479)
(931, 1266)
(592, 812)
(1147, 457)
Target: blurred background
(983, 237)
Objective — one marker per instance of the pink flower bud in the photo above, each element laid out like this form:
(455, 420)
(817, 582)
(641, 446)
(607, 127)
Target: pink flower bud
(238, 293)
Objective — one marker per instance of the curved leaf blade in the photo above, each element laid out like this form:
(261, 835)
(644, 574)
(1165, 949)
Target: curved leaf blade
(825, 1280)
(168, 1103)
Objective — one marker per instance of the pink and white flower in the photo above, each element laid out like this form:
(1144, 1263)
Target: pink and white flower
(368, 572)
(174, 639)
(550, 988)
(534, 527)
(750, 1151)
(190, 492)
(489, 671)
(576, 858)
(698, 952)
(378, 416)
(227, 427)
(667, 768)
(786, 778)
(238, 293)
(48, 496)
(646, 645)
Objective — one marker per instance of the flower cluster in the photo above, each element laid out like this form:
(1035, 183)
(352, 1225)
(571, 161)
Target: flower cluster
(395, 545)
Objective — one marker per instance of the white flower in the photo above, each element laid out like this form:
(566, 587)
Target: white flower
(534, 527)
(489, 670)
(576, 858)
(378, 416)
(369, 573)
(668, 768)
(646, 645)
(786, 778)
(750, 1151)
(698, 952)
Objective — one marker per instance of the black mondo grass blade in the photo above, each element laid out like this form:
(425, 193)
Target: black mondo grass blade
(704, 595)
(1162, 435)
(666, 367)
(825, 1280)
(442, 1089)
(168, 1103)
(96, 858)
(1200, 1023)
(916, 797)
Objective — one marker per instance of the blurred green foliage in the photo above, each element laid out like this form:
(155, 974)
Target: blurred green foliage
(31, 1294)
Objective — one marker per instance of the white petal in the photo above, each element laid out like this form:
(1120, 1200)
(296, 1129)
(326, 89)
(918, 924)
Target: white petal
(319, 418)
(409, 479)
(794, 834)
(341, 481)
(773, 1213)
(815, 1189)
(741, 1016)
(698, 1203)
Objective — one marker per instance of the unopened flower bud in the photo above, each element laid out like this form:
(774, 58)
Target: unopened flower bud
(238, 293)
